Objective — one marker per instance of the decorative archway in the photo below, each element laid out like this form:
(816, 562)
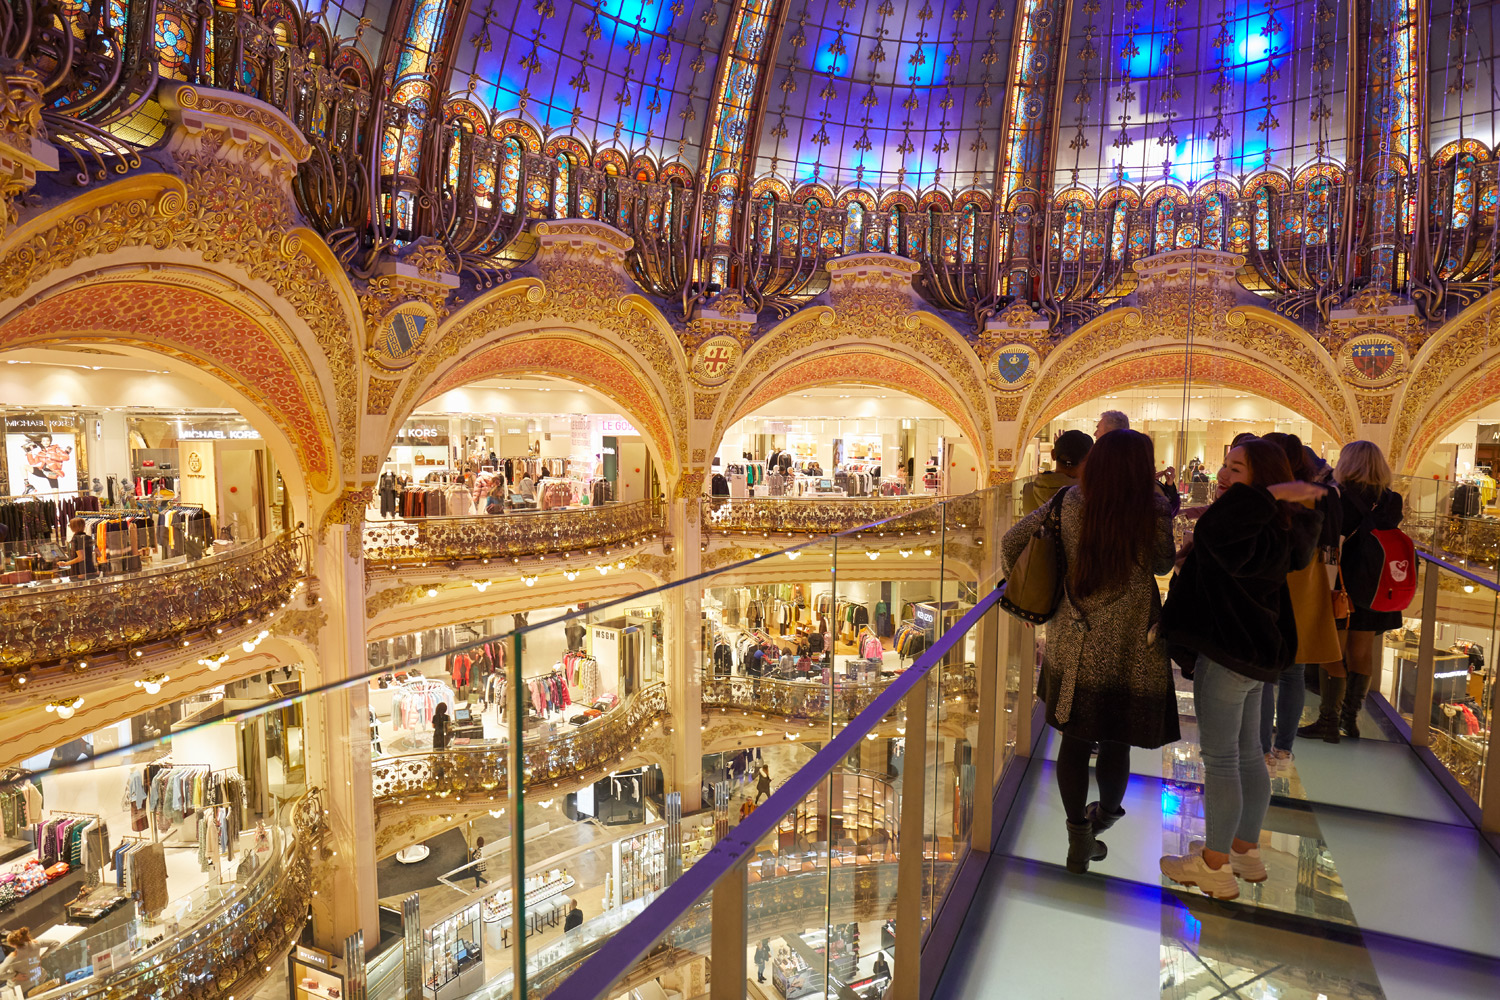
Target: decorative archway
(1455, 373)
(207, 338)
(573, 356)
(1171, 366)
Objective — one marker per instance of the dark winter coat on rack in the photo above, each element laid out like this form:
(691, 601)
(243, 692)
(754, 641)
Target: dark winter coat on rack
(1105, 674)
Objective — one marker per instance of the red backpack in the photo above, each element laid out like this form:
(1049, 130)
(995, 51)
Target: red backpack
(1380, 566)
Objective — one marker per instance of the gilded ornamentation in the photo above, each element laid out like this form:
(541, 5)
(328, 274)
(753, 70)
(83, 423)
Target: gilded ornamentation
(1373, 409)
(228, 212)
(818, 517)
(714, 361)
(392, 597)
(1012, 367)
(110, 615)
(1005, 455)
(727, 317)
(199, 107)
(302, 623)
(430, 260)
(1007, 408)
(1372, 361)
(369, 465)
(349, 509)
(729, 555)
(449, 539)
(381, 392)
(704, 404)
(23, 146)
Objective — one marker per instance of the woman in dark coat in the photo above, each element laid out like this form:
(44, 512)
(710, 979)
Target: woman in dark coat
(1105, 676)
(1369, 503)
(1229, 618)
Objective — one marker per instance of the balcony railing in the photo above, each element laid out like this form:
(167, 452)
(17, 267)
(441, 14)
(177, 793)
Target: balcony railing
(595, 748)
(90, 619)
(809, 516)
(227, 949)
(503, 536)
(809, 701)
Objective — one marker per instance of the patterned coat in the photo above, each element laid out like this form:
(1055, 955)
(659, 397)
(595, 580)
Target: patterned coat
(1105, 674)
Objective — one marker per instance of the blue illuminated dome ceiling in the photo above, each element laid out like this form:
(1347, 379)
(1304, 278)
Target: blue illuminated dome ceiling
(634, 75)
(364, 20)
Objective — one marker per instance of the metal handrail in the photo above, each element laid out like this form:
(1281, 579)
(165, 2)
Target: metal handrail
(637, 938)
(1458, 570)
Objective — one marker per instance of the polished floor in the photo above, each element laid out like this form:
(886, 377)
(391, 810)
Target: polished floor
(1380, 889)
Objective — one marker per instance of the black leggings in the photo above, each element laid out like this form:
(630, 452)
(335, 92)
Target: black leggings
(1112, 771)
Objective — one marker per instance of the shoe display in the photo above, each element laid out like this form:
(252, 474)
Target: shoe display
(1191, 869)
(1247, 866)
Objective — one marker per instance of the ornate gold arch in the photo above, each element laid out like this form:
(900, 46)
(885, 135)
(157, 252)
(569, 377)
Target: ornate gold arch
(1256, 337)
(863, 367)
(1170, 366)
(582, 297)
(228, 219)
(580, 358)
(213, 336)
(877, 320)
(1455, 373)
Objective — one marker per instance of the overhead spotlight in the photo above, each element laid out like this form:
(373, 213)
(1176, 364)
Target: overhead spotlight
(152, 684)
(530, 580)
(905, 553)
(431, 592)
(792, 555)
(872, 554)
(570, 574)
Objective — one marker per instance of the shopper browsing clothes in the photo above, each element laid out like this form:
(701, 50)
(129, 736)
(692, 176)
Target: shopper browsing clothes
(1105, 676)
(23, 966)
(1367, 503)
(1312, 607)
(1230, 623)
(442, 726)
(84, 557)
(762, 956)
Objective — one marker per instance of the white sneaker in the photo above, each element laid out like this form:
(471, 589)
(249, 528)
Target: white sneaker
(1247, 866)
(1284, 760)
(1190, 869)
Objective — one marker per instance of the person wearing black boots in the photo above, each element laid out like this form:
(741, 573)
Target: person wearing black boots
(1364, 480)
(1105, 677)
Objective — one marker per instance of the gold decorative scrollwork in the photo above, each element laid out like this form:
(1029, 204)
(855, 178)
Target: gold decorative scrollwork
(818, 517)
(96, 618)
(448, 539)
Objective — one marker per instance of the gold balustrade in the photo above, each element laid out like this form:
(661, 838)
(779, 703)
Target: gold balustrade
(803, 516)
(482, 769)
(115, 614)
(810, 701)
(514, 534)
(225, 953)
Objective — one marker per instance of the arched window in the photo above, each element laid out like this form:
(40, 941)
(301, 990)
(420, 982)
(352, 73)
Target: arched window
(893, 231)
(1072, 231)
(854, 227)
(724, 212)
(510, 174)
(560, 189)
(1118, 228)
(1213, 222)
(1317, 201)
(1463, 192)
(1166, 224)
(455, 154)
(1262, 218)
(765, 223)
(969, 237)
(810, 209)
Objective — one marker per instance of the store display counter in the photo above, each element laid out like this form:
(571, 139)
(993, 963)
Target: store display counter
(546, 902)
(454, 964)
(315, 974)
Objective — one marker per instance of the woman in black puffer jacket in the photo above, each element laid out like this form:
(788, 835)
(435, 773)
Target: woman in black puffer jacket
(1229, 623)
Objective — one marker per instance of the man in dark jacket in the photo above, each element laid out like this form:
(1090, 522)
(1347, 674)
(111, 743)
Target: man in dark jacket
(1068, 452)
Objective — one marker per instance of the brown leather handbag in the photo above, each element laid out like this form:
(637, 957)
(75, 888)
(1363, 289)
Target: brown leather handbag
(1342, 606)
(1034, 588)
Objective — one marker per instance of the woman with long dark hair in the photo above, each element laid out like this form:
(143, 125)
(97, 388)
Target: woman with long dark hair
(1105, 676)
(1229, 619)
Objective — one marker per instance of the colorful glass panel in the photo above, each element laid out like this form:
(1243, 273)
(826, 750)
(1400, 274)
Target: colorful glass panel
(510, 174)
(852, 228)
(173, 46)
(1262, 218)
(1072, 233)
(561, 186)
(1166, 224)
(1319, 198)
(1117, 233)
(723, 230)
(1213, 222)
(1463, 193)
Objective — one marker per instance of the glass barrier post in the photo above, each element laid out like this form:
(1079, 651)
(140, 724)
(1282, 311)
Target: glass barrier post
(910, 866)
(1421, 718)
(989, 755)
(1021, 649)
(729, 939)
(517, 820)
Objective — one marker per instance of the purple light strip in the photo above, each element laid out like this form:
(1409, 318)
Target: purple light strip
(624, 949)
(1458, 570)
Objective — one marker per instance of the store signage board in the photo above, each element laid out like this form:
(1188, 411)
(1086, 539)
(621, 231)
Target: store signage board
(617, 427)
(218, 434)
(312, 956)
(422, 434)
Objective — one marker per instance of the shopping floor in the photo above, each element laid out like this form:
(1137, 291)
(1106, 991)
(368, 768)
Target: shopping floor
(1379, 888)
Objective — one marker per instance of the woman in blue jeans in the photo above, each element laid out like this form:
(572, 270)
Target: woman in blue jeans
(1229, 622)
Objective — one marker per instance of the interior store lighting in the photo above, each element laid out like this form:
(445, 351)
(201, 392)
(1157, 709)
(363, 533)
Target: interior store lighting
(66, 707)
(153, 683)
